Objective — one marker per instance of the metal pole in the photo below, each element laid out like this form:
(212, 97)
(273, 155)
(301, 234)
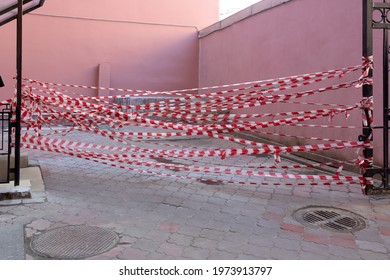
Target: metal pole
(367, 88)
(367, 41)
(19, 63)
(385, 106)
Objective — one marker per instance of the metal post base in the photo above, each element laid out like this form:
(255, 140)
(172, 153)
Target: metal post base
(382, 188)
(373, 190)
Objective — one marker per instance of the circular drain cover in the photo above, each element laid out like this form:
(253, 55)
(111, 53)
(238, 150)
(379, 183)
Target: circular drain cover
(329, 218)
(74, 242)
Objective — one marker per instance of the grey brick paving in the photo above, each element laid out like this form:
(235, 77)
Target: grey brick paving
(171, 218)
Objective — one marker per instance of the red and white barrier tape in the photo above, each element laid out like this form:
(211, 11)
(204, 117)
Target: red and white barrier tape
(222, 103)
(193, 108)
(72, 104)
(222, 153)
(215, 170)
(261, 83)
(210, 129)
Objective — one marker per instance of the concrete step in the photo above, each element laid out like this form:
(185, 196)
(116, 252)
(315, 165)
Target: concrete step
(9, 191)
(4, 162)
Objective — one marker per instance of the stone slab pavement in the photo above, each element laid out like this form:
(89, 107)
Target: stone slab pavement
(174, 218)
(12, 242)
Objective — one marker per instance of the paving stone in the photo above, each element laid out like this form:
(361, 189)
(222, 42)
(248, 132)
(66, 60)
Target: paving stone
(247, 257)
(372, 236)
(347, 243)
(215, 208)
(169, 227)
(110, 255)
(236, 237)
(146, 245)
(293, 228)
(224, 217)
(231, 209)
(283, 254)
(277, 209)
(261, 240)
(371, 246)
(315, 247)
(12, 242)
(174, 201)
(245, 220)
(170, 249)
(230, 246)
(287, 244)
(242, 228)
(290, 235)
(180, 239)
(136, 232)
(30, 232)
(29, 257)
(212, 234)
(344, 253)
(274, 225)
(222, 255)
(224, 195)
(257, 251)
(382, 217)
(129, 253)
(273, 217)
(313, 256)
(40, 224)
(127, 240)
(266, 232)
(157, 256)
(189, 230)
(196, 253)
(192, 204)
(75, 220)
(216, 225)
(22, 220)
(320, 239)
(201, 242)
(237, 197)
(252, 212)
(368, 255)
(198, 221)
(217, 200)
(6, 217)
(384, 231)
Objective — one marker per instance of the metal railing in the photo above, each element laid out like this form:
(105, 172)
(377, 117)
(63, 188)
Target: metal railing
(5, 142)
(376, 15)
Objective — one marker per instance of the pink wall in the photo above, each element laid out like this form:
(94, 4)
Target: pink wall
(296, 37)
(144, 44)
(198, 13)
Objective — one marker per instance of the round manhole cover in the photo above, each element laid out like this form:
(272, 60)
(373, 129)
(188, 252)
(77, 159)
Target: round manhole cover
(74, 242)
(329, 218)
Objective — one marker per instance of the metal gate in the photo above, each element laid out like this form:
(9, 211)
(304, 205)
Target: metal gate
(5, 142)
(376, 15)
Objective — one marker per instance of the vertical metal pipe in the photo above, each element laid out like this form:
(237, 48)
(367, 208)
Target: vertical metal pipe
(19, 57)
(367, 43)
(385, 107)
(367, 89)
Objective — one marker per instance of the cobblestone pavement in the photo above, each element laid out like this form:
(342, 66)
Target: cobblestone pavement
(172, 218)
